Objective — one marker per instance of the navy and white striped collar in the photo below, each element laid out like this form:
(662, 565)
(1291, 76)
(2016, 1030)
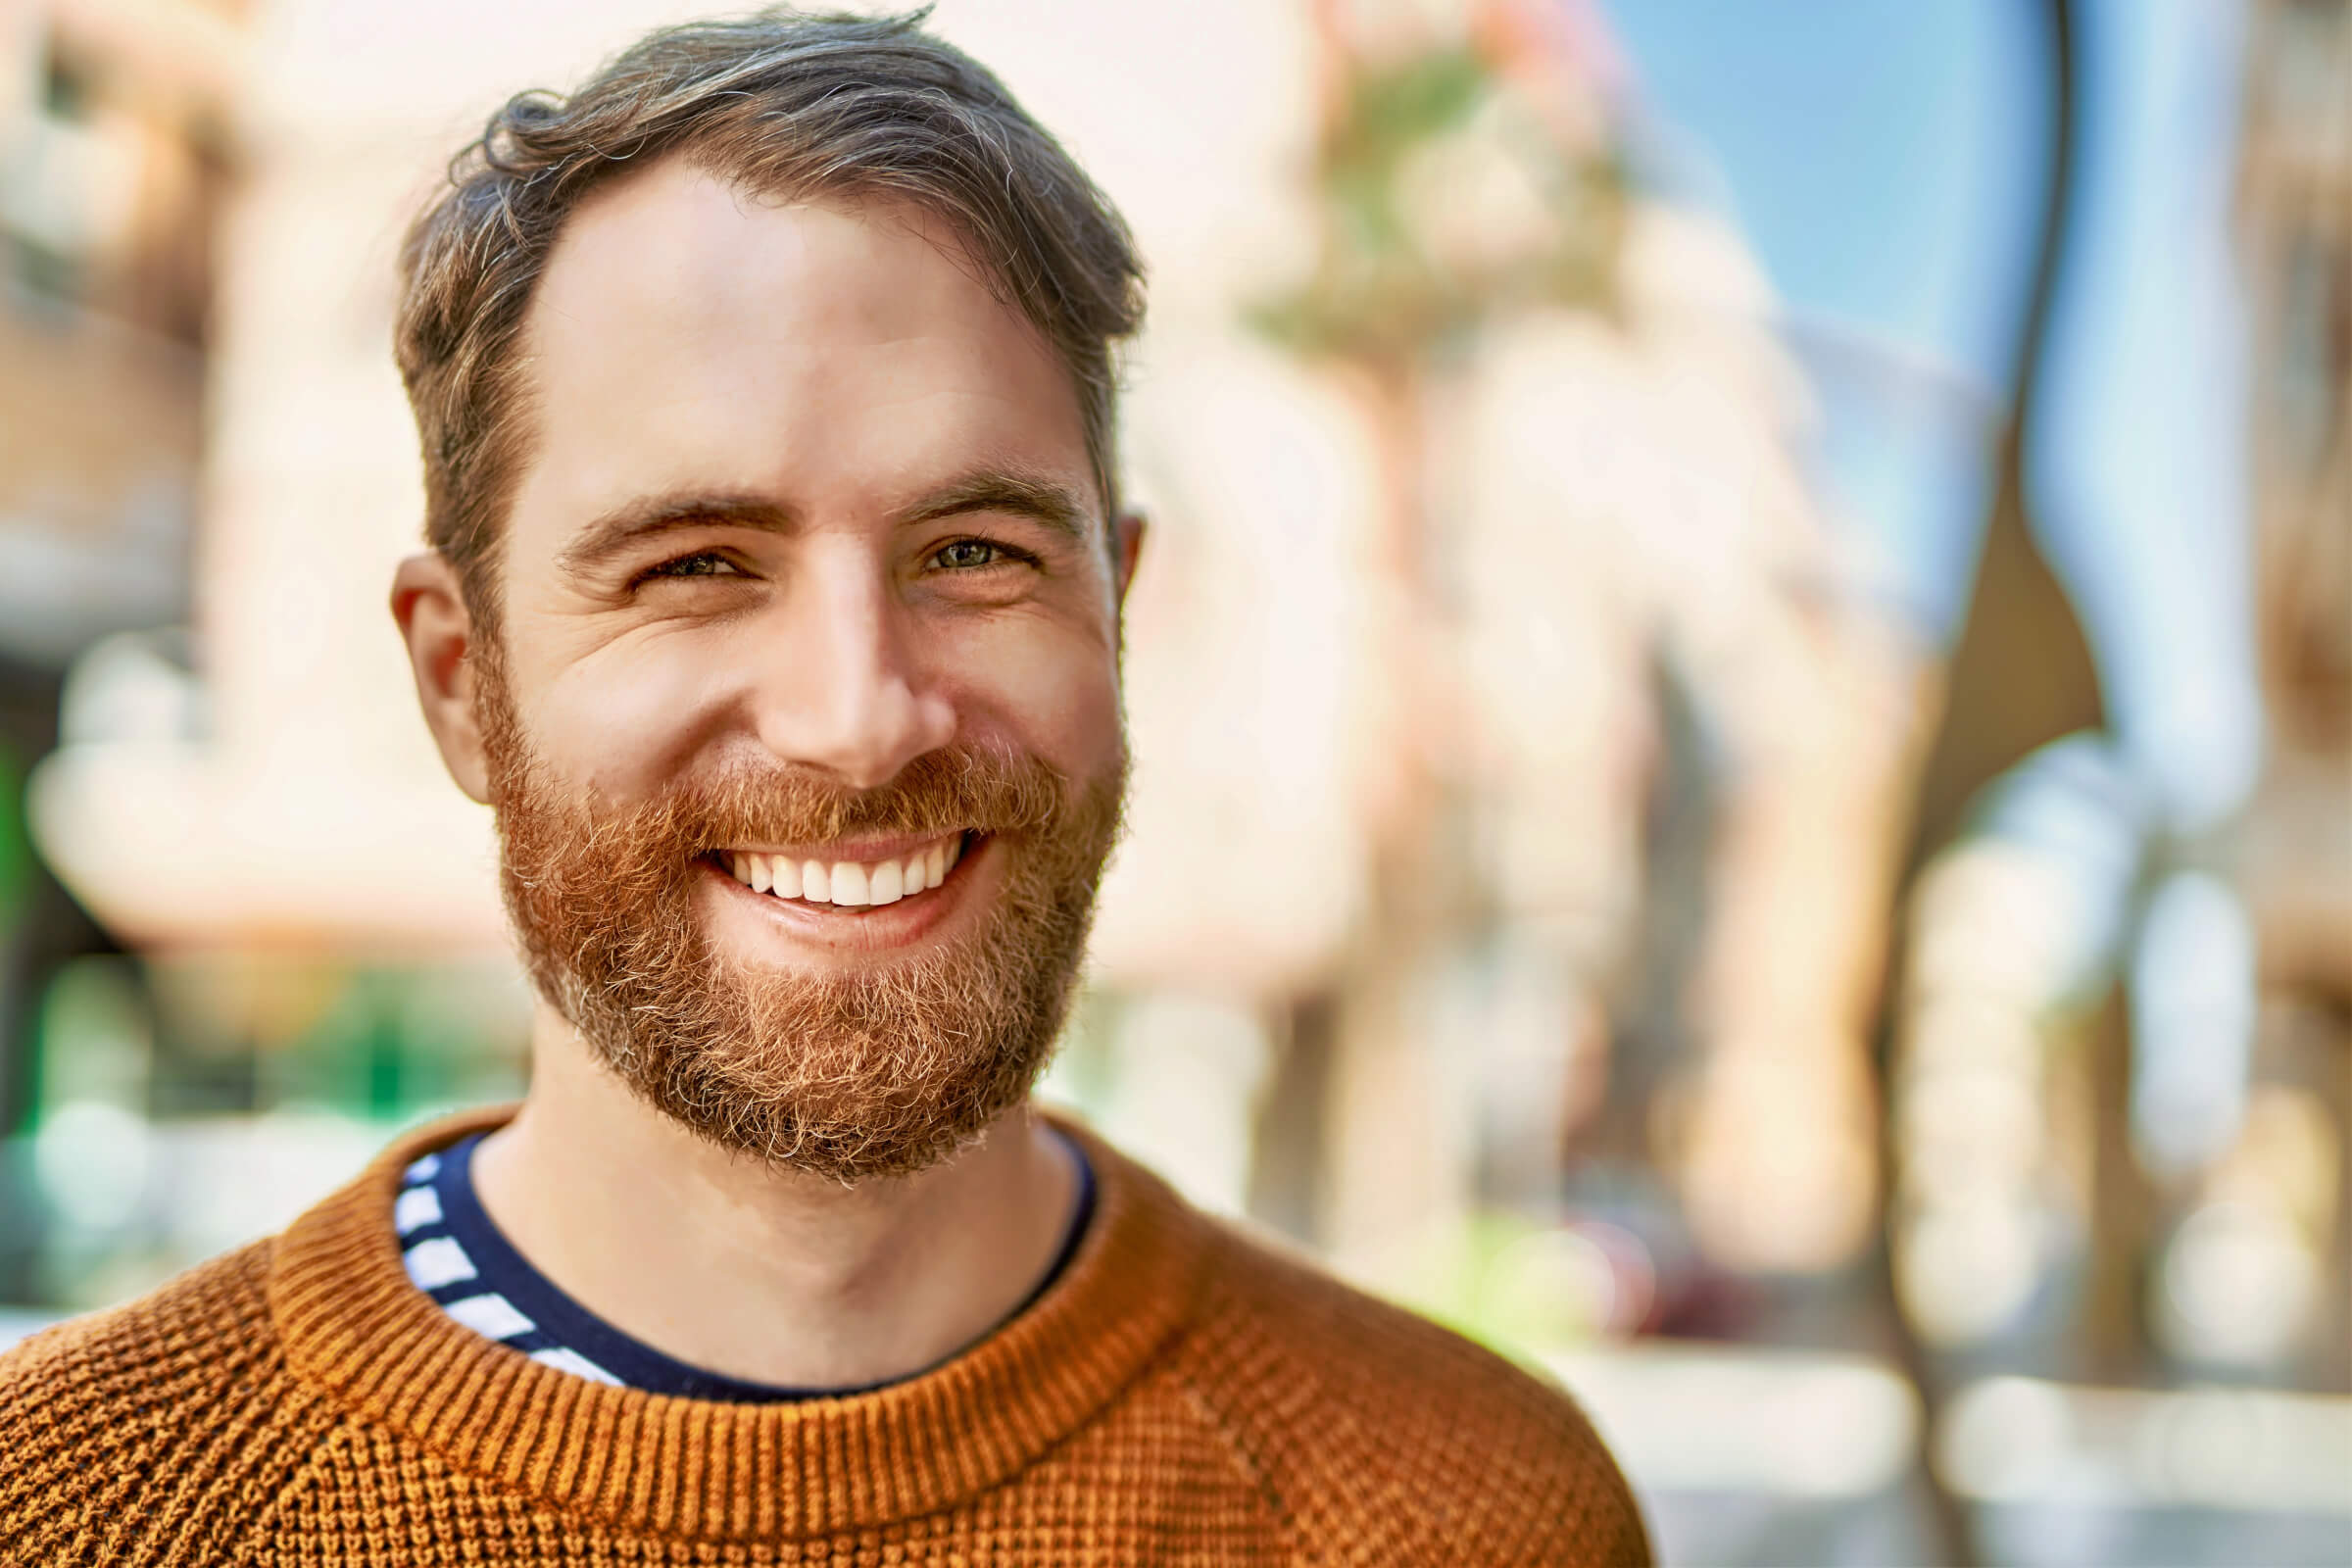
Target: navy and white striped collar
(457, 1255)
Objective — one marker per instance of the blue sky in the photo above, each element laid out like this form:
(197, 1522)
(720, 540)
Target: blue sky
(1886, 159)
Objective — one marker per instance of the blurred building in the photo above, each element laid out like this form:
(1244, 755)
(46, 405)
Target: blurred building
(115, 160)
(116, 155)
(2297, 200)
(2287, 1194)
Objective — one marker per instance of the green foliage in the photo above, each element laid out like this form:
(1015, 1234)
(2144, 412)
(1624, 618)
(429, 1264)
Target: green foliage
(16, 843)
(1488, 1280)
(1385, 292)
(1389, 114)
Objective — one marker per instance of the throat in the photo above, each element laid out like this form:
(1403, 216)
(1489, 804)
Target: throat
(700, 1255)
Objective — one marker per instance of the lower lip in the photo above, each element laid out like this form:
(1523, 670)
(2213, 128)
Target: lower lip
(870, 927)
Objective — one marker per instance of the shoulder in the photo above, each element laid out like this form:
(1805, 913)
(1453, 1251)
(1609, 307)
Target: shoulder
(1362, 1420)
(189, 1340)
(170, 1412)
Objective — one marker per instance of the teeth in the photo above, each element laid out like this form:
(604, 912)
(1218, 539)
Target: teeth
(850, 883)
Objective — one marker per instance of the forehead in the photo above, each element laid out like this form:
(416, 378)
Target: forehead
(687, 336)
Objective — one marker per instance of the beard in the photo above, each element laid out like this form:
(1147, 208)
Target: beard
(878, 1071)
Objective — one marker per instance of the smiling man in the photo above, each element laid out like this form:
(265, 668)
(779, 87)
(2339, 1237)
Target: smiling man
(765, 386)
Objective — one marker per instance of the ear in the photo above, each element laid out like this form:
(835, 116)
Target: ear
(429, 608)
(1126, 549)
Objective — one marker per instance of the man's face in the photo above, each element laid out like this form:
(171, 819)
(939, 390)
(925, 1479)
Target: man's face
(802, 714)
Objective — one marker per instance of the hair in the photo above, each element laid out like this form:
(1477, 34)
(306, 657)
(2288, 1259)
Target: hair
(784, 103)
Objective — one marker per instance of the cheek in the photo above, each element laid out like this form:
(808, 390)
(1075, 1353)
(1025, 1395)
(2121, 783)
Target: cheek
(626, 721)
(1052, 690)
(628, 718)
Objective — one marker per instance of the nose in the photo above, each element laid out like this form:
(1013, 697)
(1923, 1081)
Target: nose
(844, 689)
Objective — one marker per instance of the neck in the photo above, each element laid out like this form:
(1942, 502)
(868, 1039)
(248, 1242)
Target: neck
(757, 1271)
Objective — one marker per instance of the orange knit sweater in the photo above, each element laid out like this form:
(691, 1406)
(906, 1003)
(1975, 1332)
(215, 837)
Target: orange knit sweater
(1180, 1395)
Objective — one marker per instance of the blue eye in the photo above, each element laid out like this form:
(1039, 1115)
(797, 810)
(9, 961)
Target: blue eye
(965, 553)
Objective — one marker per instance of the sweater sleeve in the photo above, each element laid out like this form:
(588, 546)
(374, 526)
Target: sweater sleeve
(150, 1433)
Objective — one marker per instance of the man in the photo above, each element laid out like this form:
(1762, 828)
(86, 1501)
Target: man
(765, 397)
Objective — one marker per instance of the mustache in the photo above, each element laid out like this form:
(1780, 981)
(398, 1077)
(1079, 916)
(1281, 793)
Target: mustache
(953, 787)
(985, 789)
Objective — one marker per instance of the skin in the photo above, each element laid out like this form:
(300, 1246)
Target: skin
(797, 390)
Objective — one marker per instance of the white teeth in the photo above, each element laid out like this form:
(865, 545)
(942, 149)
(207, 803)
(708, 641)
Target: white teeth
(852, 883)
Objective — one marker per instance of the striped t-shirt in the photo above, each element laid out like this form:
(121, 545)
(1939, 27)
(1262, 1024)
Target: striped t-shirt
(458, 1256)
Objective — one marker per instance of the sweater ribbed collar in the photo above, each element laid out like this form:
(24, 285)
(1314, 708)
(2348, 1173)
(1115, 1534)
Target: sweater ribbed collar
(354, 1324)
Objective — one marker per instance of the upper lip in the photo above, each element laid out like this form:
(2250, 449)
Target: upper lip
(854, 849)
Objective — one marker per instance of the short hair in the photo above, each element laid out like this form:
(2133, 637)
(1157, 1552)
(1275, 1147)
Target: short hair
(782, 102)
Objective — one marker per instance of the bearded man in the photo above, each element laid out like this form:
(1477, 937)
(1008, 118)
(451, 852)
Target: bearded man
(766, 394)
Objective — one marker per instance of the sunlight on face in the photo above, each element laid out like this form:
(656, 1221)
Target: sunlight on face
(808, 532)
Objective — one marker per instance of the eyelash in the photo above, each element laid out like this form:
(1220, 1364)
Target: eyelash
(1004, 554)
(669, 568)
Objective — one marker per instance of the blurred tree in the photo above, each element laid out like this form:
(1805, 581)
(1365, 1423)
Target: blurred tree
(1410, 267)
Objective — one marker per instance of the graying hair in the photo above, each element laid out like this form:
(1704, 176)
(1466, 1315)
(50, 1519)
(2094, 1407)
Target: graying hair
(782, 102)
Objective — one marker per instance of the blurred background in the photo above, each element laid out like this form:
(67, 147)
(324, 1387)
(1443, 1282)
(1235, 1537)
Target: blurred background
(1743, 700)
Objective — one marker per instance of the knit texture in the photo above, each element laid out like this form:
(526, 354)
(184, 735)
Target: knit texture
(1183, 1394)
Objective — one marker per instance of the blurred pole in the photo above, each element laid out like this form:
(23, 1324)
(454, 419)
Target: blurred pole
(2020, 677)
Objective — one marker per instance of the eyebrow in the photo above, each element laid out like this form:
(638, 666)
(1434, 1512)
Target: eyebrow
(1007, 490)
(617, 529)
(1010, 491)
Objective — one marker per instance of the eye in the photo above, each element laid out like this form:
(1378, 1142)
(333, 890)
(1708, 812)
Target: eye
(701, 564)
(962, 554)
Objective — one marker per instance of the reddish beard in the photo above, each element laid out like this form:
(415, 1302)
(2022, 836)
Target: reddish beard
(873, 1072)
